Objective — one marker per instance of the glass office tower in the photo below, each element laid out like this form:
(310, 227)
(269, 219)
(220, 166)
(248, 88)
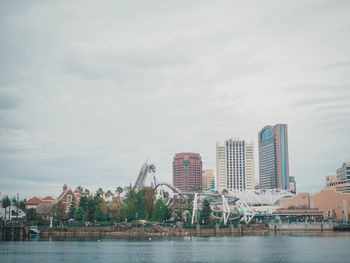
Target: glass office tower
(273, 157)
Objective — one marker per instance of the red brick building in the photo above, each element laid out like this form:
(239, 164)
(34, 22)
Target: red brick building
(187, 171)
(68, 195)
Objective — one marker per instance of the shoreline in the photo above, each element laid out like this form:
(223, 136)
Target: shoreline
(197, 231)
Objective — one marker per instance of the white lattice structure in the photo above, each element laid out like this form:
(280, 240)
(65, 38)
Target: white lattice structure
(223, 200)
(261, 197)
(244, 200)
(249, 198)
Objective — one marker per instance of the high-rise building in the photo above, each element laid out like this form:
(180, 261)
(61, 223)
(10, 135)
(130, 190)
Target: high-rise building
(220, 167)
(208, 180)
(341, 181)
(273, 157)
(187, 171)
(234, 165)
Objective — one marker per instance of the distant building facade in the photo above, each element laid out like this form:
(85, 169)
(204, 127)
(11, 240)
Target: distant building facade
(234, 165)
(331, 203)
(292, 184)
(34, 202)
(208, 180)
(187, 171)
(341, 181)
(10, 213)
(273, 157)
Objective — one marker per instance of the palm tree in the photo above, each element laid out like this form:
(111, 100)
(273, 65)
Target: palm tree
(80, 188)
(99, 192)
(86, 192)
(6, 202)
(224, 191)
(108, 194)
(119, 190)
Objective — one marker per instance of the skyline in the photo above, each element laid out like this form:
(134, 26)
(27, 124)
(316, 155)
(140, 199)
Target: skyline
(89, 91)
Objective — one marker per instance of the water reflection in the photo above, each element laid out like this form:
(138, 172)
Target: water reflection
(274, 247)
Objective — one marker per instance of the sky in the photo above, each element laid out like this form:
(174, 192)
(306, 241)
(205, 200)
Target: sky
(90, 90)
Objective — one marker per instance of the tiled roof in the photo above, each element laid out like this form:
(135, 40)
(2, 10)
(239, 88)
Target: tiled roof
(34, 201)
(48, 199)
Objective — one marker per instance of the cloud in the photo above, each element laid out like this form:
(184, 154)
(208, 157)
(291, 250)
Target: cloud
(89, 91)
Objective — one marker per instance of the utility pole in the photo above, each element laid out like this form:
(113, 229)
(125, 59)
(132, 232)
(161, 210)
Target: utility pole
(17, 206)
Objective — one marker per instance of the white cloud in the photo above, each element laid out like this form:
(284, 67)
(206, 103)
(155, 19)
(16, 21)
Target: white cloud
(90, 90)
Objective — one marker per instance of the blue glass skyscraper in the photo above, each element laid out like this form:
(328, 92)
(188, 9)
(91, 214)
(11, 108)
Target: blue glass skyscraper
(273, 157)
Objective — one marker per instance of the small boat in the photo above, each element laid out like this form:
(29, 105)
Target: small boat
(34, 230)
(186, 237)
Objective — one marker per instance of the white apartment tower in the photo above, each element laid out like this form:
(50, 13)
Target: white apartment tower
(234, 165)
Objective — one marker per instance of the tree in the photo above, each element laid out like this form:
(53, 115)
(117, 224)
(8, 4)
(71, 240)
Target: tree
(14, 201)
(6, 203)
(108, 194)
(86, 192)
(119, 190)
(91, 209)
(99, 192)
(133, 205)
(178, 207)
(99, 215)
(159, 211)
(83, 203)
(224, 191)
(60, 211)
(205, 213)
(168, 213)
(21, 204)
(165, 194)
(80, 188)
(115, 206)
(72, 209)
(79, 214)
(149, 197)
(334, 215)
(31, 214)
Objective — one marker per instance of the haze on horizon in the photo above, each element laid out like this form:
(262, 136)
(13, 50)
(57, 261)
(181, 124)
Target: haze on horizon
(91, 89)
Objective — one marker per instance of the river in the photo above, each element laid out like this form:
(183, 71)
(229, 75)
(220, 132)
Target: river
(271, 247)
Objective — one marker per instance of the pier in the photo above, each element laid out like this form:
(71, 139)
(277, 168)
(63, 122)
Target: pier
(12, 230)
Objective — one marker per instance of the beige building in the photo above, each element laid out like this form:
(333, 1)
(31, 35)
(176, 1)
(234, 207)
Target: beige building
(220, 183)
(234, 165)
(208, 180)
(327, 201)
(341, 181)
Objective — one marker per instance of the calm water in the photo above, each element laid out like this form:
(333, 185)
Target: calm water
(291, 247)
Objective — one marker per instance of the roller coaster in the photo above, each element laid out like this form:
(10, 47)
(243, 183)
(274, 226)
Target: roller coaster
(243, 200)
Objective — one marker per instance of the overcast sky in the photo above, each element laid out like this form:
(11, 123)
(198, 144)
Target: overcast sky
(89, 90)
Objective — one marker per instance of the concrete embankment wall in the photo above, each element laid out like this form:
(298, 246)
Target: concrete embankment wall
(311, 226)
(198, 231)
(110, 231)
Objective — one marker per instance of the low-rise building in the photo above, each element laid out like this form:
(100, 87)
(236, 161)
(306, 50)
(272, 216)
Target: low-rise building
(68, 196)
(11, 213)
(36, 201)
(45, 210)
(332, 204)
(299, 213)
(33, 202)
(341, 181)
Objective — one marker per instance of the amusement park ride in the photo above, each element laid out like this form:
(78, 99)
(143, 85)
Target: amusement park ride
(243, 200)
